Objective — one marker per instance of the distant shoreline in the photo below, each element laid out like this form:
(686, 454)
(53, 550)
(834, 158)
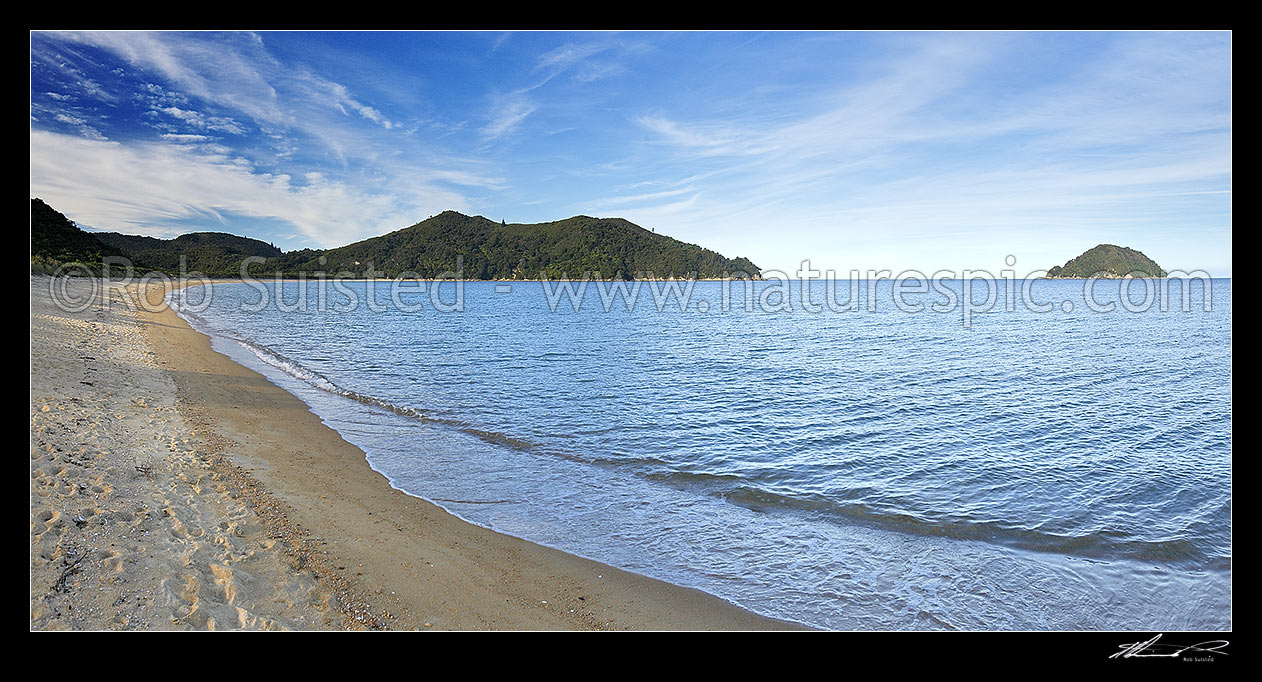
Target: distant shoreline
(328, 276)
(1110, 278)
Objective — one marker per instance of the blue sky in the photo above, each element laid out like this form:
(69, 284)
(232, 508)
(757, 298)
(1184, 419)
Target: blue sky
(869, 150)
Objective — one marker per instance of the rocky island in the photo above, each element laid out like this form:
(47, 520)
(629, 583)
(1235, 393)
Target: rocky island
(1107, 261)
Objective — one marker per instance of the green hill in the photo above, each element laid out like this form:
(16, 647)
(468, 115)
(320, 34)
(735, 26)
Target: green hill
(55, 240)
(215, 254)
(613, 247)
(1110, 262)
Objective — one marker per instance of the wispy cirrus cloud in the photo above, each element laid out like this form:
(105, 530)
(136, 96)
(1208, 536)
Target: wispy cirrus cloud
(507, 114)
(928, 150)
(588, 61)
(68, 62)
(339, 96)
(645, 197)
(236, 72)
(229, 70)
(209, 124)
(511, 108)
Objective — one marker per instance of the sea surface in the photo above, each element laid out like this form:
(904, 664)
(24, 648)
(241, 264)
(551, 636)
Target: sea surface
(881, 467)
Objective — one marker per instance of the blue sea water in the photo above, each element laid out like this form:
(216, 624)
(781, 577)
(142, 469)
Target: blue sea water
(881, 467)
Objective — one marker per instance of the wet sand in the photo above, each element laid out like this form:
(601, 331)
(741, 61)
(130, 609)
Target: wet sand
(172, 488)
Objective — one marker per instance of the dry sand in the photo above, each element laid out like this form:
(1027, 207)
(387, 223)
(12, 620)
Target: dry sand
(172, 488)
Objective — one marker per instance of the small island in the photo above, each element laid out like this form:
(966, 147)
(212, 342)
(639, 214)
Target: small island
(1107, 261)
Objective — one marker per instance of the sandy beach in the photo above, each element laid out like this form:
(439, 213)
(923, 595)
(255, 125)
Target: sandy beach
(172, 488)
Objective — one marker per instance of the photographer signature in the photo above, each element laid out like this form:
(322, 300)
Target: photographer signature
(1153, 649)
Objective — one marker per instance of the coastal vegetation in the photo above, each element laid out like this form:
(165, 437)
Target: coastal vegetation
(613, 247)
(477, 247)
(56, 240)
(216, 254)
(1109, 262)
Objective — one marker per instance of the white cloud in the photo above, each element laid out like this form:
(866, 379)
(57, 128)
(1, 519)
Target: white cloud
(341, 97)
(235, 72)
(81, 124)
(642, 198)
(144, 188)
(567, 55)
(924, 159)
(509, 113)
(226, 69)
(578, 59)
(196, 119)
(510, 110)
(181, 137)
(69, 74)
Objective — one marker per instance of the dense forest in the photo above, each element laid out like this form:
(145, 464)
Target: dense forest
(214, 253)
(1108, 261)
(56, 240)
(606, 248)
(612, 247)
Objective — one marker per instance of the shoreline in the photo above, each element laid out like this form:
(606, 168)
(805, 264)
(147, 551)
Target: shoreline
(379, 557)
